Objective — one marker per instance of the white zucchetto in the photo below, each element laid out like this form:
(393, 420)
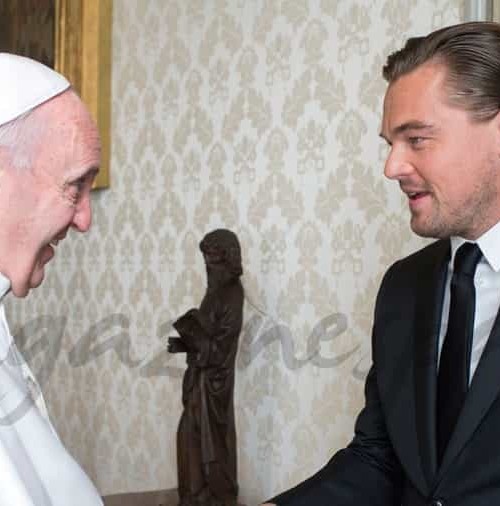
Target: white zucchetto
(25, 84)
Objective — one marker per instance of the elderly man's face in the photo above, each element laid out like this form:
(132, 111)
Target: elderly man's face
(445, 162)
(55, 194)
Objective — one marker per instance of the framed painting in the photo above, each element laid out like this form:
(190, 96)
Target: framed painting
(496, 10)
(73, 37)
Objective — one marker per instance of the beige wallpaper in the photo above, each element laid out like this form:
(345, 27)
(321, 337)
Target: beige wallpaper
(257, 115)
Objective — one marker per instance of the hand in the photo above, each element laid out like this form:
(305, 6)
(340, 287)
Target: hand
(175, 345)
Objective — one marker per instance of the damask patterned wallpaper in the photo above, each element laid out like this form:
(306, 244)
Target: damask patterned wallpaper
(257, 115)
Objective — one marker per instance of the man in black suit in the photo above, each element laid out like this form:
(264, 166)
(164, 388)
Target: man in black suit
(429, 433)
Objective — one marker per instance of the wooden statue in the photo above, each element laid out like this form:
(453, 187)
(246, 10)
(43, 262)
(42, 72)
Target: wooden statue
(206, 437)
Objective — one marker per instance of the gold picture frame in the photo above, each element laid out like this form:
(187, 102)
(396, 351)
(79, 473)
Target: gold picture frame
(496, 10)
(83, 54)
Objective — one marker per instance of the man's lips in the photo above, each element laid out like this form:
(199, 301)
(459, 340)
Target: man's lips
(50, 248)
(414, 192)
(47, 254)
(416, 195)
(417, 199)
(57, 238)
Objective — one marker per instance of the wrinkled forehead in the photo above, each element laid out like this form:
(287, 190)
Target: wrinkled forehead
(69, 132)
(67, 113)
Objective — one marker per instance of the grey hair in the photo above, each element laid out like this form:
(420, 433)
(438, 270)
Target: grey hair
(18, 139)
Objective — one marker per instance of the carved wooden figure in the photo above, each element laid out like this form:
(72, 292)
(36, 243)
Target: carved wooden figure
(206, 437)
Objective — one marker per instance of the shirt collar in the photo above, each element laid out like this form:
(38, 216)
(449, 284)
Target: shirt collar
(4, 286)
(489, 243)
(5, 335)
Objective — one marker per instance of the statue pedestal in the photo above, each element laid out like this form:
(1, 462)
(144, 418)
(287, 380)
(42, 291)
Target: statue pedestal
(153, 498)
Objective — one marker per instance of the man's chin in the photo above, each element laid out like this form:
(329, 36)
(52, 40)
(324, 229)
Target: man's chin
(23, 288)
(421, 227)
(20, 290)
(21, 285)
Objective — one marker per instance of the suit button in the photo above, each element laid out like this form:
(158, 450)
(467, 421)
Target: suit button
(437, 502)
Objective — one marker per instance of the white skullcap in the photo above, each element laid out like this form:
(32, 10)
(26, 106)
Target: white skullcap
(25, 84)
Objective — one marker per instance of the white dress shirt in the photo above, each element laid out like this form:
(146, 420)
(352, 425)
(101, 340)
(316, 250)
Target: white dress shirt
(487, 284)
(35, 467)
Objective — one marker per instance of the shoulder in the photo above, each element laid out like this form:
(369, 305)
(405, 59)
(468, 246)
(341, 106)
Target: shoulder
(406, 274)
(420, 260)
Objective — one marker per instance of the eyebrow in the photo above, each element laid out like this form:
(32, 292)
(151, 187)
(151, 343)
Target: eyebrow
(409, 125)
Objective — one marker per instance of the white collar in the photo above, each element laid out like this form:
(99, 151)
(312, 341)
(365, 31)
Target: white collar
(4, 286)
(489, 243)
(5, 335)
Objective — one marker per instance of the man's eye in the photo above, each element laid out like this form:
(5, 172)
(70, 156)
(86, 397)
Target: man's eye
(416, 141)
(79, 185)
(76, 188)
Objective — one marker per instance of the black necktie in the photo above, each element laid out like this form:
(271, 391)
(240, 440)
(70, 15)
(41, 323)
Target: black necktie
(454, 365)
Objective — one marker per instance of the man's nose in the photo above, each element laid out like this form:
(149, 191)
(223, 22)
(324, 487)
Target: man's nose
(397, 164)
(83, 215)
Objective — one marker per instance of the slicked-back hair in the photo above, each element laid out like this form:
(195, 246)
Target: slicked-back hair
(470, 52)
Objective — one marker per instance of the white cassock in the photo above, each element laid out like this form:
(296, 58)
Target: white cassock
(35, 467)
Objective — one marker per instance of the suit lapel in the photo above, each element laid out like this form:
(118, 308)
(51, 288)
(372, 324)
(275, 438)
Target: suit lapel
(482, 393)
(428, 319)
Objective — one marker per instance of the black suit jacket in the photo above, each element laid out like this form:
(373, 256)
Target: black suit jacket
(392, 458)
